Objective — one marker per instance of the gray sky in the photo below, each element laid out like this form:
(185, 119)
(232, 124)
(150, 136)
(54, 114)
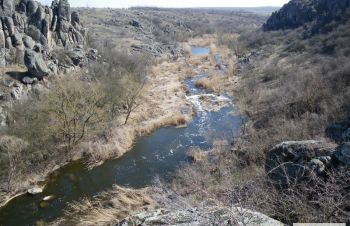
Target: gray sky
(173, 3)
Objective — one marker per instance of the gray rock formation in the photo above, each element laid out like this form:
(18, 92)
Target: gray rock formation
(28, 42)
(292, 161)
(29, 23)
(299, 12)
(342, 154)
(6, 7)
(200, 217)
(340, 131)
(35, 64)
(295, 161)
(28, 80)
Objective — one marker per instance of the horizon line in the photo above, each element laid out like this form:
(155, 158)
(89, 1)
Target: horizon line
(197, 7)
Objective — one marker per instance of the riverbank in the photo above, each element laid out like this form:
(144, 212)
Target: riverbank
(196, 66)
(163, 103)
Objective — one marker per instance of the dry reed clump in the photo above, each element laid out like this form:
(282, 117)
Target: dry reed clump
(204, 40)
(188, 72)
(197, 155)
(108, 208)
(205, 83)
(195, 61)
(174, 120)
(216, 82)
(112, 145)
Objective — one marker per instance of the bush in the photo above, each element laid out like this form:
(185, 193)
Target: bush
(12, 162)
(61, 118)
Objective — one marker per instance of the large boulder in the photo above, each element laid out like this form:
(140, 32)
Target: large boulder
(2, 47)
(342, 154)
(36, 35)
(37, 18)
(292, 161)
(34, 191)
(35, 64)
(20, 21)
(32, 7)
(28, 42)
(340, 131)
(17, 39)
(75, 18)
(22, 6)
(78, 55)
(46, 26)
(9, 26)
(2, 37)
(64, 10)
(6, 7)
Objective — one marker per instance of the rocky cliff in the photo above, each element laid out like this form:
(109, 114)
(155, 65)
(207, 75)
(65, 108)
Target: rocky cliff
(46, 39)
(30, 31)
(299, 12)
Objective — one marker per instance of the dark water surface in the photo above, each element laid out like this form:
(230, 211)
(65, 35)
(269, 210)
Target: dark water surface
(158, 154)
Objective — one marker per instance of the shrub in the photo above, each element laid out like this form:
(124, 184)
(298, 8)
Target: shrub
(12, 161)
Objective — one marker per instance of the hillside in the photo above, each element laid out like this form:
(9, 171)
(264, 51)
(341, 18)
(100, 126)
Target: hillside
(300, 12)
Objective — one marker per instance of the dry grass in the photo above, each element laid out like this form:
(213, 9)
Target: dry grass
(107, 208)
(219, 83)
(176, 120)
(292, 94)
(204, 83)
(197, 155)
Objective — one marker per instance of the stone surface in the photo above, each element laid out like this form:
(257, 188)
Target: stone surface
(29, 80)
(6, 7)
(35, 64)
(77, 56)
(64, 10)
(9, 25)
(295, 160)
(34, 191)
(342, 154)
(339, 131)
(317, 165)
(200, 217)
(28, 42)
(75, 18)
(32, 7)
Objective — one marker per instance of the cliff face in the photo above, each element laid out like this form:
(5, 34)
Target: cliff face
(31, 26)
(299, 12)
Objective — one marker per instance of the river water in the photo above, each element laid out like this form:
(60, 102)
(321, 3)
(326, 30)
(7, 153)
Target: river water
(158, 154)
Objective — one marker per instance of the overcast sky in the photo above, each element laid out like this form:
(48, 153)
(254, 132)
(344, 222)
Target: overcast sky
(173, 3)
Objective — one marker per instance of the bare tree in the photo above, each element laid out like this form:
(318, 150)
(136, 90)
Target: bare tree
(13, 149)
(131, 102)
(73, 109)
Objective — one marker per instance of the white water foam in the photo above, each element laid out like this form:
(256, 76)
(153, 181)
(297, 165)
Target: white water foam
(196, 100)
(203, 113)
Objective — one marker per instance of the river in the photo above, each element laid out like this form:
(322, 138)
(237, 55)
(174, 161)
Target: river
(158, 154)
